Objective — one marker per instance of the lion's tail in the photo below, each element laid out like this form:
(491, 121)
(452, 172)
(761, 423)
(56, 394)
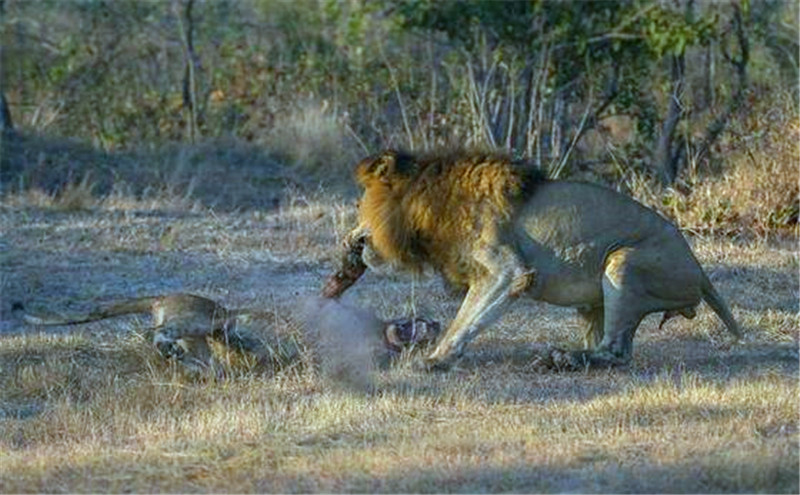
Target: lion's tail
(714, 300)
(130, 306)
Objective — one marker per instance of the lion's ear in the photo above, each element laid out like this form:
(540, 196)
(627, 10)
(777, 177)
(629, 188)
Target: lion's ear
(384, 166)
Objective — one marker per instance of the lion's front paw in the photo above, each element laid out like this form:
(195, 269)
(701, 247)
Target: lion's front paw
(568, 360)
(428, 364)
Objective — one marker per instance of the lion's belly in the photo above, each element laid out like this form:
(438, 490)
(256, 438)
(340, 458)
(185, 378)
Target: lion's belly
(568, 288)
(566, 274)
(570, 282)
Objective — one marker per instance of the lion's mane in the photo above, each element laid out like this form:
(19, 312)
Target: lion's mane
(430, 209)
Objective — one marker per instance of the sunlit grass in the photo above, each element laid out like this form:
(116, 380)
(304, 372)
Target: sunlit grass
(99, 410)
(95, 408)
(676, 430)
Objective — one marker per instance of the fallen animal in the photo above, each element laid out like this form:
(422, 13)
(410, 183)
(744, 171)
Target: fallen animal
(184, 323)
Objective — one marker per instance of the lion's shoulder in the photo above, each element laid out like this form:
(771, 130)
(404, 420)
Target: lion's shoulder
(419, 207)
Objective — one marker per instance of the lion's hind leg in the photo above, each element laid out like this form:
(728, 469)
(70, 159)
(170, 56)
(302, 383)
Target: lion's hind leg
(635, 282)
(611, 327)
(593, 320)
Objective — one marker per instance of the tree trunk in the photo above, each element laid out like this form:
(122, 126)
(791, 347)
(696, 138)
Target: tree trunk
(189, 77)
(667, 157)
(5, 114)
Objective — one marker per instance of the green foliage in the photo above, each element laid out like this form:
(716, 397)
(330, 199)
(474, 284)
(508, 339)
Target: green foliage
(415, 72)
(670, 32)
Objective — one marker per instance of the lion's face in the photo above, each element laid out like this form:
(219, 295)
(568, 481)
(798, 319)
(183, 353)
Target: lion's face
(384, 168)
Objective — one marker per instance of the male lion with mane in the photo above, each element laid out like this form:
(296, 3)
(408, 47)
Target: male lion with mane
(500, 229)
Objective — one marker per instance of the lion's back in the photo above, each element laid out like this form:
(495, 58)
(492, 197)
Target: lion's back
(595, 219)
(577, 208)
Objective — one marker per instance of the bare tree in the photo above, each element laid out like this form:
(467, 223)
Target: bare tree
(668, 154)
(186, 26)
(739, 63)
(5, 113)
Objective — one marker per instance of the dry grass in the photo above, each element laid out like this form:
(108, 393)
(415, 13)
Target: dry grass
(757, 196)
(102, 427)
(96, 409)
(313, 138)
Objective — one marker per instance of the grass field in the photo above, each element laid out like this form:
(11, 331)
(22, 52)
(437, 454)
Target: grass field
(94, 408)
(207, 147)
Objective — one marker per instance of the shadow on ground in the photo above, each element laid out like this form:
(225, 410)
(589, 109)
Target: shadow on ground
(767, 288)
(597, 471)
(226, 175)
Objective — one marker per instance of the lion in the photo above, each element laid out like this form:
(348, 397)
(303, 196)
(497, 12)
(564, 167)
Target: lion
(499, 229)
(184, 323)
